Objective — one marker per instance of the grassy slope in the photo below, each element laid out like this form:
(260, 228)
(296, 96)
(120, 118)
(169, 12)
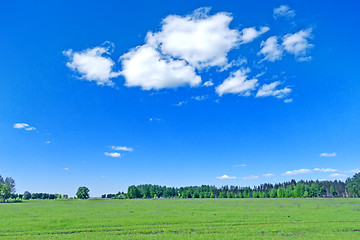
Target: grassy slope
(182, 219)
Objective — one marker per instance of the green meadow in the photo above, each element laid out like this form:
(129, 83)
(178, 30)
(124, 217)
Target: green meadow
(182, 219)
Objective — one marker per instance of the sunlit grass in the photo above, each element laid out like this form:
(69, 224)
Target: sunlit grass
(182, 219)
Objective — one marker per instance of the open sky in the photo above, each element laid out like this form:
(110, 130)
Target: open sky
(107, 94)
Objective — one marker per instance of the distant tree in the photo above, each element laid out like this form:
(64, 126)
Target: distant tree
(353, 185)
(83, 193)
(332, 191)
(27, 195)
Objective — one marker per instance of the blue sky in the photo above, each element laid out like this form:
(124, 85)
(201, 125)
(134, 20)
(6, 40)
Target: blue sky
(112, 94)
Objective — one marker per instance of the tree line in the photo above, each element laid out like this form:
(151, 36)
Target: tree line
(290, 189)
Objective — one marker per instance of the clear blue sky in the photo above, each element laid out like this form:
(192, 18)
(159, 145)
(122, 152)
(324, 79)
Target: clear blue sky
(110, 94)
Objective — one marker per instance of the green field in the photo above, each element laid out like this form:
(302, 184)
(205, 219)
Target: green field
(182, 219)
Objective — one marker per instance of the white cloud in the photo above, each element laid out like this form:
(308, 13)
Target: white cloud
(289, 100)
(154, 119)
(240, 165)
(251, 177)
(298, 44)
(271, 49)
(196, 98)
(283, 11)
(208, 83)
(92, 65)
(237, 83)
(120, 148)
(296, 172)
(325, 170)
(249, 34)
(66, 169)
(145, 67)
(267, 90)
(269, 175)
(23, 126)
(336, 175)
(202, 40)
(225, 177)
(333, 154)
(113, 154)
(356, 170)
(48, 142)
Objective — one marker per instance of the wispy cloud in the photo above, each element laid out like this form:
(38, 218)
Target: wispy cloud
(325, 170)
(25, 126)
(113, 154)
(283, 11)
(267, 90)
(296, 172)
(356, 170)
(251, 177)
(269, 175)
(66, 169)
(333, 154)
(122, 148)
(240, 165)
(155, 119)
(225, 177)
(195, 98)
(336, 175)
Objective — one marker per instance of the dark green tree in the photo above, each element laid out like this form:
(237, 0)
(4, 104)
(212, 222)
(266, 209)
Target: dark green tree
(353, 185)
(83, 193)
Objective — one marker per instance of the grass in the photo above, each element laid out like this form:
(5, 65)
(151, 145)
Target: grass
(182, 219)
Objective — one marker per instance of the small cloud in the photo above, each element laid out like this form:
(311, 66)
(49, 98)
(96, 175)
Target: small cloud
(267, 90)
(240, 165)
(289, 100)
(333, 154)
(113, 154)
(249, 34)
(251, 177)
(237, 83)
(269, 175)
(66, 169)
(225, 177)
(48, 142)
(120, 148)
(271, 49)
(154, 119)
(23, 126)
(296, 172)
(195, 98)
(325, 170)
(208, 83)
(356, 170)
(102, 176)
(337, 175)
(283, 11)
(93, 64)
(298, 44)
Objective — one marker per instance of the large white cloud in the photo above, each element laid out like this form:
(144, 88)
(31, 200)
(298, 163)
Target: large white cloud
(200, 39)
(144, 66)
(92, 64)
(237, 83)
(267, 90)
(298, 43)
(271, 49)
